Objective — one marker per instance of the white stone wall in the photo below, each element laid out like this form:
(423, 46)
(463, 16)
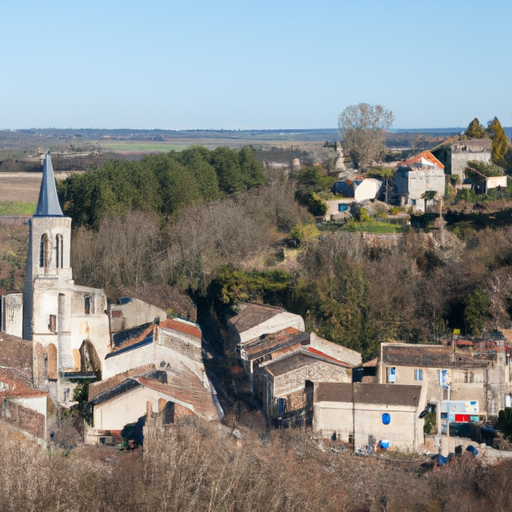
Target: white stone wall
(367, 189)
(134, 313)
(405, 430)
(128, 360)
(11, 309)
(277, 323)
(334, 350)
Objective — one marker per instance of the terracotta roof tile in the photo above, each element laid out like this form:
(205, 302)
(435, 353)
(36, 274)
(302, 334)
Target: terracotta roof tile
(378, 394)
(427, 155)
(181, 326)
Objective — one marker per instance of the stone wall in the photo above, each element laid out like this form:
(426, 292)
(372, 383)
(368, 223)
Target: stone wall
(23, 418)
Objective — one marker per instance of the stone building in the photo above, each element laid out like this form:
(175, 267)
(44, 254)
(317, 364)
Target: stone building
(287, 384)
(70, 321)
(455, 154)
(416, 176)
(447, 373)
(366, 414)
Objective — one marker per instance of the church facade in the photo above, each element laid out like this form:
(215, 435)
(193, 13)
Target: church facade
(71, 322)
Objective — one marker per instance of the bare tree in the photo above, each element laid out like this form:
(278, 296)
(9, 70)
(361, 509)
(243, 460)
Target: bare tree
(362, 128)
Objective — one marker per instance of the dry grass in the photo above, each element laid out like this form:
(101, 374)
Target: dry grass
(199, 466)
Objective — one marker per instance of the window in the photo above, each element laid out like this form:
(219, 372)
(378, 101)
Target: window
(391, 375)
(87, 304)
(418, 374)
(59, 249)
(43, 251)
(53, 323)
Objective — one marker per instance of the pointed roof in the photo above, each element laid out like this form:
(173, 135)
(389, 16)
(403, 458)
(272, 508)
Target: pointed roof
(48, 203)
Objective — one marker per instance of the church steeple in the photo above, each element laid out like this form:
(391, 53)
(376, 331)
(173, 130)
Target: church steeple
(48, 203)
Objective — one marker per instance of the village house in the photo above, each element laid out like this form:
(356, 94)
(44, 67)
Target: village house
(417, 176)
(274, 346)
(455, 154)
(481, 380)
(287, 384)
(351, 191)
(283, 361)
(255, 320)
(369, 414)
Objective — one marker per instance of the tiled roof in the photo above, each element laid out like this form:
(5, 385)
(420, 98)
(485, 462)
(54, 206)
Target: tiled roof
(16, 353)
(421, 158)
(430, 356)
(270, 343)
(182, 326)
(377, 394)
(14, 383)
(184, 386)
(296, 361)
(251, 315)
(97, 388)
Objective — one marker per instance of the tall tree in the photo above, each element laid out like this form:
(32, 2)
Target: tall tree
(362, 128)
(475, 130)
(499, 144)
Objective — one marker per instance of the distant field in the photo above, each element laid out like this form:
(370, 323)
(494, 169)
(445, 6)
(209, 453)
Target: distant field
(19, 187)
(17, 208)
(142, 146)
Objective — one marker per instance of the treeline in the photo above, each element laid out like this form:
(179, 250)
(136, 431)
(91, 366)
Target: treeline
(348, 291)
(162, 184)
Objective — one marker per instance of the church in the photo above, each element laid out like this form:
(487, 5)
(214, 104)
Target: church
(71, 322)
(72, 327)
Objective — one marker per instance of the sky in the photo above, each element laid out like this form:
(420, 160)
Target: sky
(234, 64)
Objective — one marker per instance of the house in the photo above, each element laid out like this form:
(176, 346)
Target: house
(147, 364)
(417, 176)
(363, 189)
(369, 414)
(275, 346)
(255, 320)
(23, 397)
(131, 312)
(287, 384)
(455, 154)
(482, 379)
(126, 398)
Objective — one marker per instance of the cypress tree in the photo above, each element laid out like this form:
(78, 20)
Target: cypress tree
(499, 144)
(475, 130)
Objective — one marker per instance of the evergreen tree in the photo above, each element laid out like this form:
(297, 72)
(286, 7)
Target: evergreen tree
(475, 130)
(499, 144)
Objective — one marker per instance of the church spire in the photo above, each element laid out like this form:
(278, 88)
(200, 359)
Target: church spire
(48, 203)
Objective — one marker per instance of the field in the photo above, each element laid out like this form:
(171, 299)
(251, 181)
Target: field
(163, 147)
(17, 208)
(19, 187)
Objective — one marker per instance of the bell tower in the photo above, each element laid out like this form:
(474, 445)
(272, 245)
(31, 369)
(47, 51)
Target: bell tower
(48, 271)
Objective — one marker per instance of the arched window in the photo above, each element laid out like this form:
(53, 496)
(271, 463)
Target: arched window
(44, 251)
(60, 252)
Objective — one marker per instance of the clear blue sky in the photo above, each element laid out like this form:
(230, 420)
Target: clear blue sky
(186, 64)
